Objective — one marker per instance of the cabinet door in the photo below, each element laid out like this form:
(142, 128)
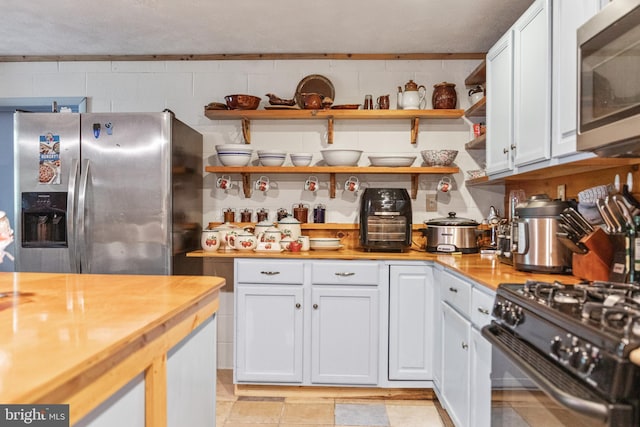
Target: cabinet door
(568, 15)
(344, 335)
(532, 84)
(480, 381)
(410, 323)
(500, 105)
(269, 333)
(456, 332)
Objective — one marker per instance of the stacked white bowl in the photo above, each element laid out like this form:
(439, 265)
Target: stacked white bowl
(234, 154)
(301, 159)
(339, 157)
(271, 157)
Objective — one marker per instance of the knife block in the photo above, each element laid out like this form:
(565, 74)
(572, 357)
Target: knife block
(595, 264)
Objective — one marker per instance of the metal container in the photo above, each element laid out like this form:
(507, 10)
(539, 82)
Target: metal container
(535, 245)
(452, 234)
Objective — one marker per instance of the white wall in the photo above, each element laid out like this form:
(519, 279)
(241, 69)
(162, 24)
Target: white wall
(186, 87)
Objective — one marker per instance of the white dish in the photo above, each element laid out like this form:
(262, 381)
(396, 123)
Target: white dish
(234, 148)
(301, 159)
(341, 157)
(271, 161)
(268, 250)
(393, 160)
(234, 159)
(326, 248)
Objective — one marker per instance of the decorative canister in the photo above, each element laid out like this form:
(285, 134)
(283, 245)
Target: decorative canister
(210, 240)
(444, 96)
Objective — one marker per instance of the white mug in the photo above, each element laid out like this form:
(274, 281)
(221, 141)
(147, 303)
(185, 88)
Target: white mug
(224, 182)
(311, 184)
(305, 242)
(262, 184)
(352, 184)
(444, 185)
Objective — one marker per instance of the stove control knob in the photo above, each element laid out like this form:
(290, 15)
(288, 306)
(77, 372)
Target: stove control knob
(514, 316)
(498, 310)
(557, 348)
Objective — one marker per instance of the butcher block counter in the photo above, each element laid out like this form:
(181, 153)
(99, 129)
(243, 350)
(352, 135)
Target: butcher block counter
(482, 268)
(79, 339)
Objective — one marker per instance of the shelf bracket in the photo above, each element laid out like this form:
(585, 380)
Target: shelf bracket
(332, 185)
(246, 130)
(246, 185)
(414, 185)
(415, 124)
(330, 130)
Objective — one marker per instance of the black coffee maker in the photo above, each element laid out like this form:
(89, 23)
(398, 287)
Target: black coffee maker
(385, 220)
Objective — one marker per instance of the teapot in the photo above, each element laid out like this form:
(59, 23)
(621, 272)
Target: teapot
(476, 94)
(244, 241)
(289, 226)
(225, 231)
(262, 226)
(413, 97)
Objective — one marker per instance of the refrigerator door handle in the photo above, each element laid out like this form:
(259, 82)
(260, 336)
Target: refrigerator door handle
(82, 198)
(71, 217)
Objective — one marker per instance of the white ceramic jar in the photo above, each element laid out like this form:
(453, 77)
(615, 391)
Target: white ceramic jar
(210, 240)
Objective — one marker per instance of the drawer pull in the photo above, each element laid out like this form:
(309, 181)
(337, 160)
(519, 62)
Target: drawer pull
(465, 346)
(345, 274)
(483, 310)
(270, 273)
(454, 290)
(298, 305)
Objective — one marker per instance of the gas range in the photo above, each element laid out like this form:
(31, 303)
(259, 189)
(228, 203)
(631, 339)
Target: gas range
(577, 339)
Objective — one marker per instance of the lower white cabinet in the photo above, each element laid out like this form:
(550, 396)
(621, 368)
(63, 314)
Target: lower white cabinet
(411, 322)
(464, 385)
(307, 322)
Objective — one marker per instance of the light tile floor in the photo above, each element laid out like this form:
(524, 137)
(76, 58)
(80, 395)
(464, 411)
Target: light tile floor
(233, 411)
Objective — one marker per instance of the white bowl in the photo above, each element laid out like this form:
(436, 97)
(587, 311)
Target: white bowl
(301, 159)
(341, 157)
(271, 159)
(392, 160)
(234, 148)
(326, 243)
(234, 159)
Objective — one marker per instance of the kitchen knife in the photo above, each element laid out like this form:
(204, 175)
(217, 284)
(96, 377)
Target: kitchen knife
(615, 214)
(580, 219)
(566, 227)
(610, 227)
(624, 210)
(576, 248)
(578, 230)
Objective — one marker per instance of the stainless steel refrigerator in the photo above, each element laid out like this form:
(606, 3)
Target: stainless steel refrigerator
(107, 193)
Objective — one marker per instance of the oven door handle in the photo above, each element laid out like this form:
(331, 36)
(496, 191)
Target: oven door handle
(604, 411)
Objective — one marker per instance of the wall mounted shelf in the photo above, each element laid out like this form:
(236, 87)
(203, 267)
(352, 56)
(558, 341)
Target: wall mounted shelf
(246, 171)
(330, 115)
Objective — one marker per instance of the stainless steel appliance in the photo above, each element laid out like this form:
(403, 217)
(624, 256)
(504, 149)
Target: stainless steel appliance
(576, 343)
(534, 230)
(385, 220)
(608, 81)
(107, 193)
(452, 234)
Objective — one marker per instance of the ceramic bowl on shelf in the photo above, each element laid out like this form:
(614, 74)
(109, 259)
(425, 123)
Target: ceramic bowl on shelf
(234, 154)
(324, 243)
(242, 102)
(393, 160)
(301, 159)
(341, 157)
(272, 157)
(439, 157)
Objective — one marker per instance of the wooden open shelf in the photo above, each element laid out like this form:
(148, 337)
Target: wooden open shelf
(479, 109)
(478, 143)
(477, 76)
(330, 116)
(246, 171)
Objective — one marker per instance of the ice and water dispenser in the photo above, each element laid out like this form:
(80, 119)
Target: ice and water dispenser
(44, 220)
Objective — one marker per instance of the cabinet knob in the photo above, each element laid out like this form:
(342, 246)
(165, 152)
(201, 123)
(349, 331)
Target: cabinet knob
(315, 306)
(513, 146)
(505, 150)
(270, 273)
(465, 346)
(345, 274)
(454, 290)
(298, 305)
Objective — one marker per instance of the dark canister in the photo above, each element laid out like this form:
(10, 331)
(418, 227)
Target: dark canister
(444, 96)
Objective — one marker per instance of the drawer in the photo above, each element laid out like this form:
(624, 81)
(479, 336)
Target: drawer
(456, 292)
(481, 306)
(345, 273)
(269, 271)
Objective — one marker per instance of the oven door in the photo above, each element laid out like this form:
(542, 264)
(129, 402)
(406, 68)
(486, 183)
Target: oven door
(530, 389)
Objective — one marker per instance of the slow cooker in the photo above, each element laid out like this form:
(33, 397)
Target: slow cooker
(451, 234)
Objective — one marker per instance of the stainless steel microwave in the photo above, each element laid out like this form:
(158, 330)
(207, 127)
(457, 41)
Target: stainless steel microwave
(609, 81)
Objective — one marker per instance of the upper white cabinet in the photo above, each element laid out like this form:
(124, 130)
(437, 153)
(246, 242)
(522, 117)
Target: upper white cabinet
(532, 84)
(568, 15)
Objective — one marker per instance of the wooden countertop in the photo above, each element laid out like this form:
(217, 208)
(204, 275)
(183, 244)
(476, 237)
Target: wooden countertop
(63, 332)
(483, 268)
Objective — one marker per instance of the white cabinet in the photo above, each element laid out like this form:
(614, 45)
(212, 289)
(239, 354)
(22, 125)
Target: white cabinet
(465, 383)
(568, 15)
(269, 321)
(307, 322)
(411, 322)
(344, 335)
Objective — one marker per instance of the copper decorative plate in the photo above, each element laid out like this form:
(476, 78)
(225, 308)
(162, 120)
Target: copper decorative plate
(315, 83)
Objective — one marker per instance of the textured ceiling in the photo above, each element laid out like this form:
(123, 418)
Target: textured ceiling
(200, 27)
